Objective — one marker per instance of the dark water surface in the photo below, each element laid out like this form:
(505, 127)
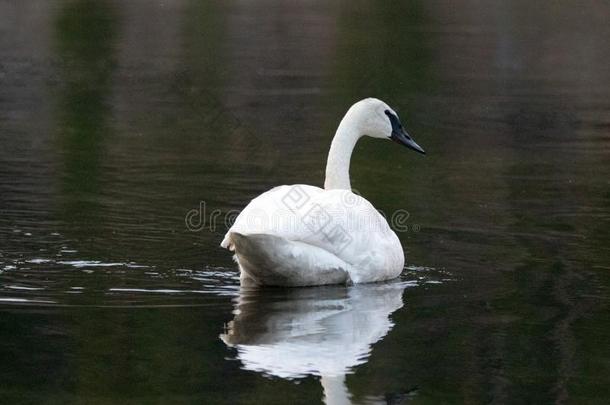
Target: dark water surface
(118, 118)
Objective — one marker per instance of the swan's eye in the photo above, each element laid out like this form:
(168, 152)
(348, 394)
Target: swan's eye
(394, 121)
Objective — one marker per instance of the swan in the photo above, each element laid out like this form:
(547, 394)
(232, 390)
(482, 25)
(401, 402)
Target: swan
(302, 235)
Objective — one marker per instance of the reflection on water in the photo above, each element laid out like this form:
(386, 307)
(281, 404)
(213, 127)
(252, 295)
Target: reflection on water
(85, 44)
(323, 332)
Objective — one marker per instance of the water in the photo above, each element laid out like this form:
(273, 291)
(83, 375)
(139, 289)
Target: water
(117, 119)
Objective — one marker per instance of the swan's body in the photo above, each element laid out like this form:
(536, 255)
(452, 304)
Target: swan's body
(303, 235)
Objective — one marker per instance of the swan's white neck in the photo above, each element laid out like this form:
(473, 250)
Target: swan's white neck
(337, 165)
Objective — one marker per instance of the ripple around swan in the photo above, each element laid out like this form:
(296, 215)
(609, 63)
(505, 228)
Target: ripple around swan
(50, 282)
(45, 281)
(55, 274)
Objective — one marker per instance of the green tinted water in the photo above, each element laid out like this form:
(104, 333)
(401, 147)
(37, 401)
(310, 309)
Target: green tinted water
(119, 118)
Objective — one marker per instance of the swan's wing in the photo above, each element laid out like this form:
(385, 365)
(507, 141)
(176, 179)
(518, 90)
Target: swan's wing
(357, 233)
(273, 260)
(338, 221)
(274, 212)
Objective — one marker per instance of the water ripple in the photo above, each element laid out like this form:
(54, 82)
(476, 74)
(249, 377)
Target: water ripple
(46, 281)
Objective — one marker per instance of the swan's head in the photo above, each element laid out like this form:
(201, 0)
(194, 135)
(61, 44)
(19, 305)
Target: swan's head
(376, 119)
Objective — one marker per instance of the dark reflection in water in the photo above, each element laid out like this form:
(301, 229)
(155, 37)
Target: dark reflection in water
(85, 43)
(118, 118)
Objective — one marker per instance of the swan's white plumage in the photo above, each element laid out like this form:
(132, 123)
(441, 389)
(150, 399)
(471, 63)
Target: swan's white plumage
(350, 229)
(303, 235)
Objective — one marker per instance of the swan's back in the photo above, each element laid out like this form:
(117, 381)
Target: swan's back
(338, 222)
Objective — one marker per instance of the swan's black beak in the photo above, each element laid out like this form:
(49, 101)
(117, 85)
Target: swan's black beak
(400, 136)
(404, 139)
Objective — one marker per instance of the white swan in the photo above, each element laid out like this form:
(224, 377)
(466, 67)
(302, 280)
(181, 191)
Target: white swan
(303, 235)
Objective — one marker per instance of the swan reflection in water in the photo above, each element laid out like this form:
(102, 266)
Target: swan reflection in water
(322, 331)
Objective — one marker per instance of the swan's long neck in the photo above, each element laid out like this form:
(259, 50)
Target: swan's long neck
(337, 165)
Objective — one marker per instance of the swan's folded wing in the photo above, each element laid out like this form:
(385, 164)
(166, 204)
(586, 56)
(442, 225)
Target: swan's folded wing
(276, 212)
(273, 260)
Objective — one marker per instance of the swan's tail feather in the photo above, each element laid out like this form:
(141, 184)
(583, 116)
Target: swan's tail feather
(272, 260)
(226, 242)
